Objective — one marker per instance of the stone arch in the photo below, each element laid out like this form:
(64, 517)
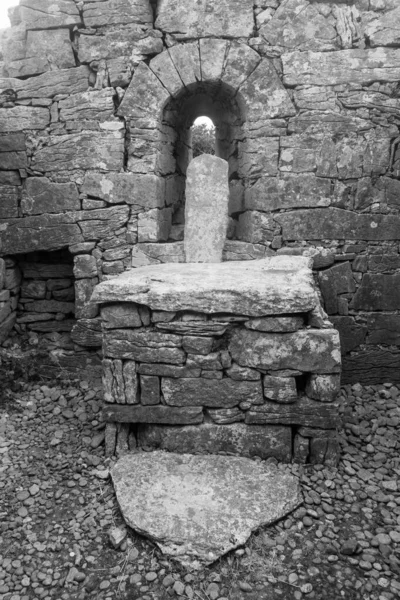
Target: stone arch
(211, 76)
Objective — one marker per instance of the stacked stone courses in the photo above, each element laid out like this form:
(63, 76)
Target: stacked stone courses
(96, 104)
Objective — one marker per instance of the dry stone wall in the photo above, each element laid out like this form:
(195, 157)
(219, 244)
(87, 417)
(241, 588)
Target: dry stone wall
(96, 103)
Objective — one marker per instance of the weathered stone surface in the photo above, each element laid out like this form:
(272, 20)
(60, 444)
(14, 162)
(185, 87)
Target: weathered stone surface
(43, 14)
(214, 393)
(334, 281)
(351, 333)
(197, 345)
(149, 390)
(290, 191)
(312, 350)
(239, 63)
(120, 382)
(144, 346)
(48, 232)
(336, 223)
(8, 202)
(197, 508)
(196, 328)
(224, 416)
(258, 157)
(383, 263)
(42, 270)
(186, 59)
(276, 285)
(12, 152)
(255, 227)
(115, 316)
(144, 97)
(94, 150)
(140, 191)
(84, 307)
(347, 66)
(168, 415)
(20, 118)
(239, 373)
(85, 266)
(87, 332)
(265, 96)
(378, 292)
(323, 387)
(206, 209)
(167, 370)
(101, 223)
(237, 250)
(212, 438)
(212, 56)
(164, 68)
(47, 85)
(298, 25)
(280, 389)
(96, 105)
(229, 18)
(112, 12)
(276, 324)
(383, 30)
(117, 45)
(154, 225)
(38, 52)
(372, 366)
(303, 412)
(152, 254)
(50, 306)
(383, 329)
(33, 289)
(43, 196)
(210, 362)
(6, 326)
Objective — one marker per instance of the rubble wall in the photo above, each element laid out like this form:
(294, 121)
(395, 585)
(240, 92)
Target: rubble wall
(96, 101)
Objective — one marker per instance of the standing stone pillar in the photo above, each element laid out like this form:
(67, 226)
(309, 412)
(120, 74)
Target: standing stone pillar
(206, 210)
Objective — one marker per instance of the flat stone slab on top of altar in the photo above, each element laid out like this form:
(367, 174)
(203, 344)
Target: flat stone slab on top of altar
(271, 286)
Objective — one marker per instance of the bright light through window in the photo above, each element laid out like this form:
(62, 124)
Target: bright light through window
(204, 121)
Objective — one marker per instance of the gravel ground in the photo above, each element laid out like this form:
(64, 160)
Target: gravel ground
(57, 508)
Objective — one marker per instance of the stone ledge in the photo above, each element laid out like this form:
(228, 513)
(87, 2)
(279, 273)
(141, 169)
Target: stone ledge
(274, 285)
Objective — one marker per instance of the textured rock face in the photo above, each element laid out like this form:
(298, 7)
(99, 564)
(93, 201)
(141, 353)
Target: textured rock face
(198, 508)
(206, 210)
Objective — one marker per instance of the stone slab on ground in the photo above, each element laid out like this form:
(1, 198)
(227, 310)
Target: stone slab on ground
(272, 286)
(197, 508)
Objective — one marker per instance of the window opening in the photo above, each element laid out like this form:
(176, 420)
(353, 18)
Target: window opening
(203, 137)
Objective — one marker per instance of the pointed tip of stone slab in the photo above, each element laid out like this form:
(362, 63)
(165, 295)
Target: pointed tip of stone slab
(197, 508)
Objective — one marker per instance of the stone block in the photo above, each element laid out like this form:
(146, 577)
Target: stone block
(115, 43)
(167, 370)
(167, 415)
(290, 191)
(33, 289)
(151, 254)
(84, 308)
(301, 449)
(164, 68)
(8, 202)
(95, 105)
(239, 63)
(210, 362)
(88, 150)
(144, 96)
(377, 292)
(41, 195)
(102, 223)
(149, 390)
(213, 393)
(383, 329)
(276, 324)
(239, 373)
(323, 387)
(13, 278)
(47, 14)
(351, 333)
(58, 272)
(336, 223)
(307, 350)
(382, 30)
(40, 51)
(186, 59)
(280, 389)
(197, 345)
(258, 156)
(115, 316)
(6, 326)
(50, 306)
(22, 118)
(144, 346)
(12, 153)
(154, 225)
(120, 383)
(228, 18)
(212, 57)
(383, 263)
(299, 25)
(255, 227)
(87, 332)
(85, 266)
(52, 83)
(239, 251)
(206, 209)
(111, 12)
(355, 66)
(140, 191)
(10, 178)
(211, 438)
(305, 411)
(224, 416)
(336, 280)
